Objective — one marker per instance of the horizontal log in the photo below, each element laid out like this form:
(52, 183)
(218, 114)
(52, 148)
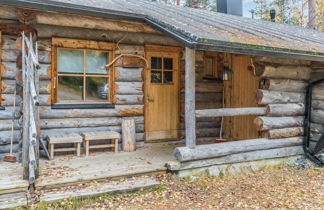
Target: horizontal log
(46, 132)
(8, 70)
(44, 44)
(7, 113)
(129, 88)
(318, 104)
(9, 55)
(5, 125)
(281, 61)
(7, 12)
(204, 124)
(128, 74)
(269, 123)
(231, 112)
(6, 148)
(9, 42)
(5, 137)
(237, 158)
(317, 116)
(44, 99)
(78, 21)
(277, 97)
(285, 85)
(208, 87)
(44, 57)
(129, 99)
(130, 49)
(283, 133)
(285, 72)
(120, 110)
(8, 99)
(203, 132)
(228, 148)
(318, 92)
(316, 128)
(277, 110)
(45, 72)
(84, 122)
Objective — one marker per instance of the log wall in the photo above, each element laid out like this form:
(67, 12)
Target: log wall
(10, 81)
(282, 92)
(317, 126)
(209, 95)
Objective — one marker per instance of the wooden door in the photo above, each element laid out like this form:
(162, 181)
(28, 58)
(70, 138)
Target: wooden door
(240, 92)
(162, 96)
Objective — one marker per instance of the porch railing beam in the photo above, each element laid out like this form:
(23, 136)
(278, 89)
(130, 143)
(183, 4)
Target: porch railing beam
(190, 106)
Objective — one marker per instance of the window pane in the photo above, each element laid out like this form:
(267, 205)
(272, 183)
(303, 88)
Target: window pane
(70, 88)
(156, 76)
(97, 89)
(210, 66)
(167, 76)
(168, 63)
(156, 63)
(95, 60)
(70, 61)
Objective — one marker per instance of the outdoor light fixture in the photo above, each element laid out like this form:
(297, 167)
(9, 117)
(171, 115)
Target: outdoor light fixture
(227, 74)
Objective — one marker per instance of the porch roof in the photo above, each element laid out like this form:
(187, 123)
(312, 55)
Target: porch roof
(200, 29)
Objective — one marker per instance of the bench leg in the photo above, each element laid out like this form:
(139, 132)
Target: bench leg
(78, 148)
(116, 145)
(86, 147)
(51, 148)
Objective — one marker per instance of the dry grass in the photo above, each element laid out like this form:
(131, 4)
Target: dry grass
(275, 188)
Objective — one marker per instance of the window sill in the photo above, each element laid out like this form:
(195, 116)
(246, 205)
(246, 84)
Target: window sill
(84, 106)
(2, 108)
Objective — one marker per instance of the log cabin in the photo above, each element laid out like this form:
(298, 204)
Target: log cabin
(206, 92)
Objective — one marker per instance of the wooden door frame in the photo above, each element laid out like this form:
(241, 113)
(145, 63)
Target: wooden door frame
(162, 49)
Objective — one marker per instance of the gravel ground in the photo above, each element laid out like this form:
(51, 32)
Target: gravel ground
(275, 188)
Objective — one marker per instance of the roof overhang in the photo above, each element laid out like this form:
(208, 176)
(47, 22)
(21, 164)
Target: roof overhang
(254, 50)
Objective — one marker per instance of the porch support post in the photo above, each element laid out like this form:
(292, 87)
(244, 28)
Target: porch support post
(190, 104)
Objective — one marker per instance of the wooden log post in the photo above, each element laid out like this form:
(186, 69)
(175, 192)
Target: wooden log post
(190, 80)
(128, 135)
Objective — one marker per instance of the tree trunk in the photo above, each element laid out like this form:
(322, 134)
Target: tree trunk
(269, 123)
(277, 97)
(277, 110)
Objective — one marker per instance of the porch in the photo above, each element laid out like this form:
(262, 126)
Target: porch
(70, 169)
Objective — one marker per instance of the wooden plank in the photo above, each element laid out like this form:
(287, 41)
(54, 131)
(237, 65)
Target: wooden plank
(103, 188)
(231, 112)
(128, 135)
(217, 150)
(190, 84)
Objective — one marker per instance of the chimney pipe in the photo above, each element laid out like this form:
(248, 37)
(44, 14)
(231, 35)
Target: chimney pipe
(233, 7)
(273, 15)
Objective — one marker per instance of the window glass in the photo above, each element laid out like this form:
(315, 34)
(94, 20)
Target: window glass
(168, 63)
(97, 89)
(69, 61)
(94, 62)
(156, 76)
(70, 88)
(167, 77)
(156, 63)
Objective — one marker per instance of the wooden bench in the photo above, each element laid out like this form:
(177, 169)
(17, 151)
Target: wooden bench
(104, 135)
(64, 138)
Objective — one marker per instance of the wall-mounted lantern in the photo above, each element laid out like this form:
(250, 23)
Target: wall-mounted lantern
(227, 74)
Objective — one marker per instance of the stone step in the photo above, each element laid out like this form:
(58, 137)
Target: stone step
(98, 189)
(13, 200)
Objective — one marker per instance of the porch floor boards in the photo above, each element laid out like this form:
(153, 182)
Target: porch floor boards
(70, 169)
(11, 179)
